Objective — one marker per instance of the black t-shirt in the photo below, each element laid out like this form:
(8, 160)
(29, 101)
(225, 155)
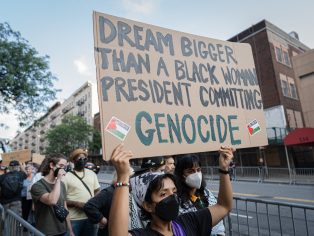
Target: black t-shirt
(98, 207)
(19, 177)
(197, 223)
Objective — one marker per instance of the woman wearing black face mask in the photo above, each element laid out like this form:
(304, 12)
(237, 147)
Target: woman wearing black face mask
(156, 193)
(192, 190)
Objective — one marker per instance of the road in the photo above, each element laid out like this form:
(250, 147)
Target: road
(253, 218)
(299, 194)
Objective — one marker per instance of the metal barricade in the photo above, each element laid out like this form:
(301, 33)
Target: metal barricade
(16, 225)
(303, 175)
(1, 219)
(262, 174)
(264, 217)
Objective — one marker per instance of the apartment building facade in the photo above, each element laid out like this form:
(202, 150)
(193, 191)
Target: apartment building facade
(273, 50)
(304, 73)
(83, 102)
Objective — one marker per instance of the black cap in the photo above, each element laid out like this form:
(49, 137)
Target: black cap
(147, 163)
(152, 162)
(14, 163)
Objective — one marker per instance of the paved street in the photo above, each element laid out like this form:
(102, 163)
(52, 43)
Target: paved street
(253, 218)
(260, 219)
(300, 194)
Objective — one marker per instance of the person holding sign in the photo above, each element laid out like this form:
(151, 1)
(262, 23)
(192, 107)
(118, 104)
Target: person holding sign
(192, 190)
(158, 194)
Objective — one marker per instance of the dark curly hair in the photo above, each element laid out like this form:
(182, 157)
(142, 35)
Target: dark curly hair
(187, 161)
(45, 165)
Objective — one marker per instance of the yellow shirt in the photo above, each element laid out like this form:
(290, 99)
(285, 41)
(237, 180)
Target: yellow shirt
(76, 191)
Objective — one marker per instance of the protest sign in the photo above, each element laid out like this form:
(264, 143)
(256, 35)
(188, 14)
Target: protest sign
(20, 155)
(37, 158)
(164, 92)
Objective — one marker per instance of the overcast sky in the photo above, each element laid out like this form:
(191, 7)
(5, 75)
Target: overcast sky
(62, 29)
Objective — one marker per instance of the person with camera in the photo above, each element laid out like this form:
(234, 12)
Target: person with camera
(49, 197)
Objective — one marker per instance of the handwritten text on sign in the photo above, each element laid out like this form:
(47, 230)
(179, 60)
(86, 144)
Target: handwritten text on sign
(174, 89)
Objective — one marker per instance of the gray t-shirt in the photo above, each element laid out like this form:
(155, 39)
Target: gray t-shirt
(45, 218)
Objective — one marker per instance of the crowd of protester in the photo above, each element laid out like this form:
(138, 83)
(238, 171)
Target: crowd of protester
(165, 196)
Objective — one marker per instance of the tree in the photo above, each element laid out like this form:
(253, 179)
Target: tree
(72, 133)
(95, 144)
(26, 84)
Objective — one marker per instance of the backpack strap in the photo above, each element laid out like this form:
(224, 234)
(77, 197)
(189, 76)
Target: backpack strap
(82, 182)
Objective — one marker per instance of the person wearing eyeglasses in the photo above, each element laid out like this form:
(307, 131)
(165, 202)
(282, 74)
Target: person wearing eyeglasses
(81, 184)
(49, 191)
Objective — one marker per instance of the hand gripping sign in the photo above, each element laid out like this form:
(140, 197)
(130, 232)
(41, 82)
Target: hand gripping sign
(165, 92)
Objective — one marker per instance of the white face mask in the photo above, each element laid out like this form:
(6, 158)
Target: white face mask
(194, 180)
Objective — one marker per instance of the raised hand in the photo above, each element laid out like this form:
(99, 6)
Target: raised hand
(226, 156)
(120, 160)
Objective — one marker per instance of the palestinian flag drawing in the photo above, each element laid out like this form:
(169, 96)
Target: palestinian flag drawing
(253, 127)
(117, 128)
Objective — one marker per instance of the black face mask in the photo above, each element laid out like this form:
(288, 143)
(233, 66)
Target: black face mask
(67, 168)
(168, 208)
(79, 164)
(56, 171)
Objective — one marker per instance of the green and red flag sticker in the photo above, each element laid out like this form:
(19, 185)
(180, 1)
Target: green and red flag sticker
(118, 128)
(253, 127)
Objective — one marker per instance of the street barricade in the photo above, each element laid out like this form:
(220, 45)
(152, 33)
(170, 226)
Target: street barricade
(264, 217)
(12, 224)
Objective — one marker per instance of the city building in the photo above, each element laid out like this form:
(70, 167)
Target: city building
(83, 102)
(303, 65)
(273, 50)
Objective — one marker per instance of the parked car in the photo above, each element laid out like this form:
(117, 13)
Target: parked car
(92, 166)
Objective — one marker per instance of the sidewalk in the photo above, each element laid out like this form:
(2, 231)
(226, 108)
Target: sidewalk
(302, 180)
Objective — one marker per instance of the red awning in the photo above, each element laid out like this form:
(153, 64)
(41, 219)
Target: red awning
(302, 136)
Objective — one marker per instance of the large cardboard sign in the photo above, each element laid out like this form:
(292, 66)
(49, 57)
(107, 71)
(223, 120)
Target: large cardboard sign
(37, 158)
(21, 155)
(165, 92)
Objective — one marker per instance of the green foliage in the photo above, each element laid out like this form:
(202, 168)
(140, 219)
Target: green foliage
(95, 144)
(26, 84)
(72, 133)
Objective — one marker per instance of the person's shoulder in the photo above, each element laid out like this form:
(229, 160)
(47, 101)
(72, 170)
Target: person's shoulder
(40, 182)
(208, 192)
(22, 174)
(89, 172)
(69, 176)
(192, 214)
(38, 185)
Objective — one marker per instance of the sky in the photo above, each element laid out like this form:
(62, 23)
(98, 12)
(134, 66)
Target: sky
(63, 29)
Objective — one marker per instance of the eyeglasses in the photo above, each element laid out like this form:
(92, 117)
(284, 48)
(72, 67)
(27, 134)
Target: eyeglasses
(82, 158)
(61, 166)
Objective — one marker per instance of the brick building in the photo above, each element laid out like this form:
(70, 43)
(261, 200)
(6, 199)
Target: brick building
(273, 50)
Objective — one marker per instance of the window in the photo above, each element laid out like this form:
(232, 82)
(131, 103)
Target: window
(282, 55)
(288, 86)
(293, 90)
(286, 56)
(279, 54)
(294, 119)
(285, 88)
